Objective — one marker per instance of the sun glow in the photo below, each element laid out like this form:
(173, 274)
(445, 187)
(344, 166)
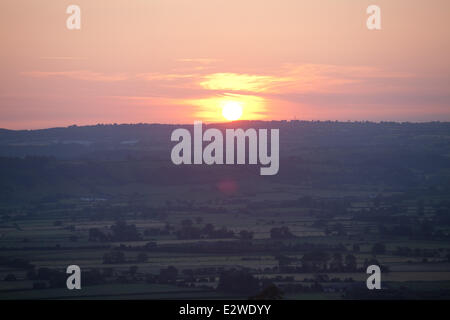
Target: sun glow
(229, 107)
(232, 110)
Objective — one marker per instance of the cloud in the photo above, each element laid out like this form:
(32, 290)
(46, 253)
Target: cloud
(199, 60)
(62, 58)
(289, 78)
(241, 82)
(164, 76)
(275, 93)
(322, 78)
(300, 79)
(84, 75)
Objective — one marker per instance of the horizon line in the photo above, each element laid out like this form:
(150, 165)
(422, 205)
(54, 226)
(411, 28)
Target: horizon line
(227, 122)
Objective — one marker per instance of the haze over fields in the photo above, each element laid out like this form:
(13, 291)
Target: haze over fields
(109, 199)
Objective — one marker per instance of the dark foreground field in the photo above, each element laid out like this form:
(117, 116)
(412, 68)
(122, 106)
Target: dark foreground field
(108, 198)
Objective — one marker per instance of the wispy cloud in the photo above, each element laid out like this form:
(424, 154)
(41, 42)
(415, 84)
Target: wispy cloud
(164, 76)
(289, 78)
(84, 75)
(263, 95)
(199, 60)
(62, 58)
(241, 82)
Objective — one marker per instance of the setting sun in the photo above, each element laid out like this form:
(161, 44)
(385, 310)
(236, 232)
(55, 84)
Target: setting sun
(232, 110)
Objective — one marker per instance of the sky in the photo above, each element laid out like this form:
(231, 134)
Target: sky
(177, 61)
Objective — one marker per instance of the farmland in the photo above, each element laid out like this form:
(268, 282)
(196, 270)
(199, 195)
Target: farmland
(347, 196)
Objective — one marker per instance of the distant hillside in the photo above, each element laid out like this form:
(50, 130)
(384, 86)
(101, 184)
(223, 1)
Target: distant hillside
(154, 139)
(392, 156)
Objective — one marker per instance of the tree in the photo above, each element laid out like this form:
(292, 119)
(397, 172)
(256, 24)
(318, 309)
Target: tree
(125, 232)
(113, 257)
(315, 260)
(281, 233)
(377, 201)
(93, 277)
(420, 207)
(150, 245)
(142, 257)
(96, 235)
(238, 282)
(337, 262)
(133, 270)
(10, 277)
(198, 220)
(283, 261)
(186, 223)
(246, 235)
(271, 292)
(350, 262)
(39, 285)
(168, 274)
(340, 229)
(378, 248)
(208, 229)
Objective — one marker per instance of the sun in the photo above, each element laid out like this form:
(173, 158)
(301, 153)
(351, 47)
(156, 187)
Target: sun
(232, 110)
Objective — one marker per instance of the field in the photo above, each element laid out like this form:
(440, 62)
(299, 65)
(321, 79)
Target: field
(140, 228)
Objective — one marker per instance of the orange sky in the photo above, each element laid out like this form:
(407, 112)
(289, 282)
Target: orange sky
(178, 61)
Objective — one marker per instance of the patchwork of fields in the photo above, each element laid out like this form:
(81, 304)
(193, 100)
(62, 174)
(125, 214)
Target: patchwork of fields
(348, 195)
